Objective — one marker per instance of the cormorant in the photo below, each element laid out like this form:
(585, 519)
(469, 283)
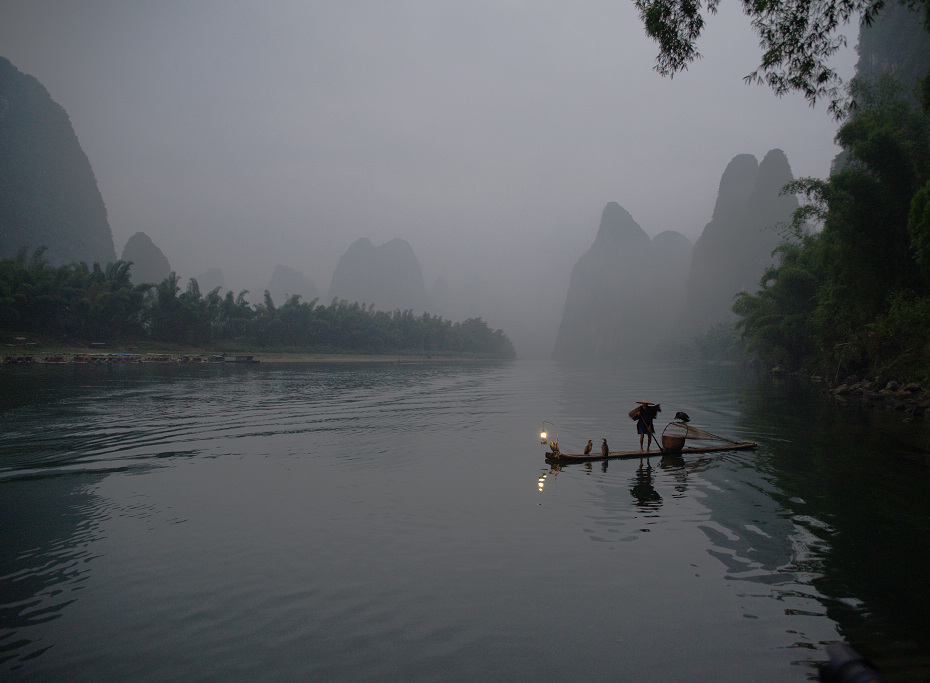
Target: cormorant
(605, 450)
(587, 449)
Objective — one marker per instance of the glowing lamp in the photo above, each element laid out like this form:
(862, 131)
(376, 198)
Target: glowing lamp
(542, 437)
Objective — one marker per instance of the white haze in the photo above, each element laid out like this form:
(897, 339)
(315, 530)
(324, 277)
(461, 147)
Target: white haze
(489, 135)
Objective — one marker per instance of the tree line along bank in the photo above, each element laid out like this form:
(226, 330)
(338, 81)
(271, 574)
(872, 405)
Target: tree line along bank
(77, 304)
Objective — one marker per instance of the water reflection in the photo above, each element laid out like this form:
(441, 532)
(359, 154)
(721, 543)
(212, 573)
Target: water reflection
(333, 501)
(553, 472)
(854, 488)
(814, 521)
(45, 557)
(647, 498)
(64, 432)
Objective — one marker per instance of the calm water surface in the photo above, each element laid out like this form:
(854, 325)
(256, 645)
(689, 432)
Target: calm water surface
(370, 521)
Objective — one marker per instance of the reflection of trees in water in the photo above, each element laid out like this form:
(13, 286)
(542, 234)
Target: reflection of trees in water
(834, 497)
(854, 480)
(43, 557)
(830, 514)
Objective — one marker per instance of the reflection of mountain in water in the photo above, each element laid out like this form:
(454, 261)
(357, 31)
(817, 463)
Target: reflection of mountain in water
(44, 557)
(749, 536)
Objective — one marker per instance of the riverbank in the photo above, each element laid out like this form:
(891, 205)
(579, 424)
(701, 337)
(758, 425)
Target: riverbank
(100, 357)
(908, 397)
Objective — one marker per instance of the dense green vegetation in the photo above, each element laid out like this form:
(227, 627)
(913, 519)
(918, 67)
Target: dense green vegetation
(78, 304)
(854, 297)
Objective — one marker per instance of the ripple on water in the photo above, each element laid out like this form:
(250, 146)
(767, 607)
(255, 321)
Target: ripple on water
(393, 521)
(209, 415)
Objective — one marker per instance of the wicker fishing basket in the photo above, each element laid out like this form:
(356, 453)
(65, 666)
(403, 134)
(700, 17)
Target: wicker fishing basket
(672, 443)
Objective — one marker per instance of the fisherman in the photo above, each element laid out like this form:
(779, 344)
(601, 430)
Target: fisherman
(605, 449)
(587, 449)
(645, 414)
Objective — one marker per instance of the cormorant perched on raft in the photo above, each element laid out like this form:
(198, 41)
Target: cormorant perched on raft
(682, 417)
(605, 450)
(587, 449)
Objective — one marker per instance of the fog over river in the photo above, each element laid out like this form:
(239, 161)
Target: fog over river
(489, 136)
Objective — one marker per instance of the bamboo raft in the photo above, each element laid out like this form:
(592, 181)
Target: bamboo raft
(617, 455)
(673, 443)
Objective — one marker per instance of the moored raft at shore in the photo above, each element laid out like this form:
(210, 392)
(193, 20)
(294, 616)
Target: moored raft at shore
(238, 358)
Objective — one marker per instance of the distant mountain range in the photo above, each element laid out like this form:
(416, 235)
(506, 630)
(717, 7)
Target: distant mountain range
(389, 276)
(624, 291)
(736, 246)
(149, 264)
(628, 293)
(287, 282)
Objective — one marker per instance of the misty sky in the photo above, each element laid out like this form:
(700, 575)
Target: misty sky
(490, 135)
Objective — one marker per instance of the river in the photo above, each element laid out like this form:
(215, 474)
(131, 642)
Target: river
(368, 521)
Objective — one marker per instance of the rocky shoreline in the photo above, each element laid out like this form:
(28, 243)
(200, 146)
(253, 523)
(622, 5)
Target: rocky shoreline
(909, 397)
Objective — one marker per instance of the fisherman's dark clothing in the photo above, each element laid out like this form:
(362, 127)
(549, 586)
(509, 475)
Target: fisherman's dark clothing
(644, 422)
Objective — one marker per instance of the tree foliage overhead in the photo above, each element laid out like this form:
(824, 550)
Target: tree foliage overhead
(797, 39)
